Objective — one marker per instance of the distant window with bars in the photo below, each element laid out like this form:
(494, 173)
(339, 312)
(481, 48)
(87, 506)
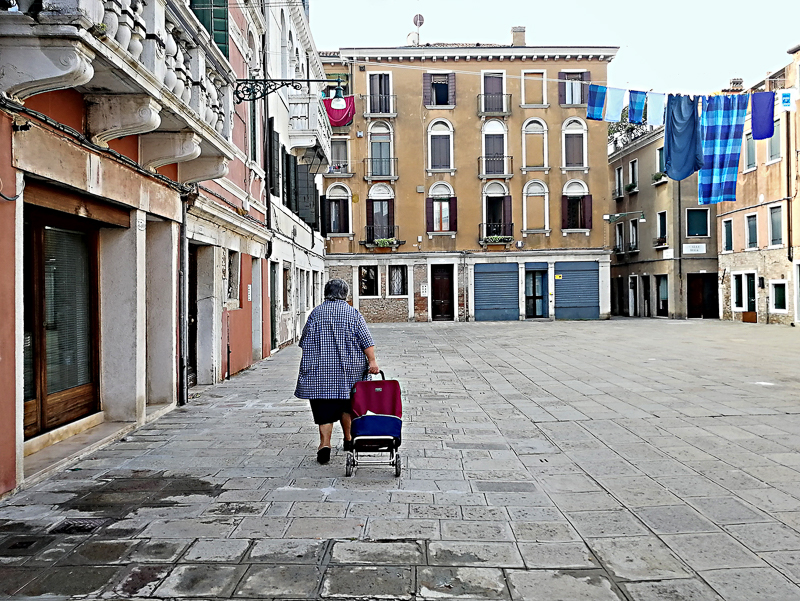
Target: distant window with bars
(398, 280)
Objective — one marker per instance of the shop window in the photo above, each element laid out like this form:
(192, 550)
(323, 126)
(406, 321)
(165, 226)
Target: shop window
(232, 275)
(398, 280)
(368, 280)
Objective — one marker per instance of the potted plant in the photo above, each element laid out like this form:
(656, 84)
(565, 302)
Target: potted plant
(498, 239)
(659, 176)
(631, 187)
(385, 242)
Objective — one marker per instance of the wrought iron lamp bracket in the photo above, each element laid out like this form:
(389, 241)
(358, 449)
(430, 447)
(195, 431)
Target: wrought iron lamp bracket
(249, 90)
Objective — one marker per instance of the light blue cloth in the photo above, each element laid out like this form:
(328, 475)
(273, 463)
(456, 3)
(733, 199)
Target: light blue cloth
(655, 109)
(615, 98)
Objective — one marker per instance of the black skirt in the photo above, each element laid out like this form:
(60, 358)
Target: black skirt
(328, 411)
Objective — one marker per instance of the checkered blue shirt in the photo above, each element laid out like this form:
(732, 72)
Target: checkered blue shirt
(333, 343)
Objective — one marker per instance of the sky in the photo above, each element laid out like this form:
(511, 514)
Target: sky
(681, 46)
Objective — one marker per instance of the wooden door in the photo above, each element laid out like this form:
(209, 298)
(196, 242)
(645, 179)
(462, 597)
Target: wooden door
(493, 93)
(191, 315)
(442, 293)
(695, 295)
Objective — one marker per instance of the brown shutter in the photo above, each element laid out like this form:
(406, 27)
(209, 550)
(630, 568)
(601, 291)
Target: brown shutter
(426, 89)
(391, 217)
(451, 89)
(586, 211)
(587, 77)
(562, 88)
(564, 213)
(370, 219)
(507, 229)
(323, 216)
(453, 214)
(429, 214)
(440, 152)
(344, 211)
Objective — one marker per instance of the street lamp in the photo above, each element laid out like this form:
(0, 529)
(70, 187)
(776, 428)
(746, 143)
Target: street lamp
(254, 89)
(617, 216)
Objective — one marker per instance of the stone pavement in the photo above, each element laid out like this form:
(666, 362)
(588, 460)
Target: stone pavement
(595, 461)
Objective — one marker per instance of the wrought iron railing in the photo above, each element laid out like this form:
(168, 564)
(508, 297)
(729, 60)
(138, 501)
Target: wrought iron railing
(376, 168)
(495, 165)
(496, 232)
(494, 104)
(382, 235)
(340, 168)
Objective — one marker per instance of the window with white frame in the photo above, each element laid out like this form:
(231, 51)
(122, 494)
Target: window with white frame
(381, 101)
(368, 282)
(751, 231)
(380, 150)
(494, 147)
(619, 238)
(440, 145)
(697, 223)
(777, 296)
(339, 156)
(534, 144)
(634, 230)
(439, 89)
(774, 143)
(338, 209)
(727, 235)
(576, 206)
(573, 144)
(232, 275)
(574, 88)
(494, 100)
(633, 174)
(618, 183)
(776, 226)
(440, 208)
(398, 280)
(534, 88)
(749, 152)
(537, 206)
(661, 229)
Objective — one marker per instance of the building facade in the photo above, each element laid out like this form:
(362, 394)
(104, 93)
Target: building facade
(666, 265)
(145, 216)
(469, 184)
(758, 262)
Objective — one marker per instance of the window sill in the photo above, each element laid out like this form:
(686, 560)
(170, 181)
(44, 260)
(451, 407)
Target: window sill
(340, 235)
(699, 237)
(573, 106)
(726, 252)
(776, 246)
(749, 250)
(565, 169)
(381, 178)
(576, 231)
(534, 106)
(380, 115)
(663, 180)
(773, 161)
(397, 296)
(749, 170)
(364, 297)
(434, 171)
(505, 176)
(545, 170)
(546, 232)
(444, 107)
(337, 175)
(778, 311)
(432, 234)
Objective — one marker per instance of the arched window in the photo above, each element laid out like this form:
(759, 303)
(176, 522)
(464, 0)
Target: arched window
(496, 211)
(576, 206)
(534, 145)
(380, 162)
(337, 218)
(573, 144)
(494, 148)
(440, 208)
(380, 213)
(440, 145)
(536, 207)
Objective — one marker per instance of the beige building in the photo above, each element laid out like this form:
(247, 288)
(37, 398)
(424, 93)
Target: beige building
(758, 264)
(665, 266)
(469, 184)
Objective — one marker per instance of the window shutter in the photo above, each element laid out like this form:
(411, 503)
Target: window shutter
(285, 161)
(562, 88)
(370, 213)
(564, 213)
(507, 215)
(306, 195)
(323, 216)
(440, 152)
(586, 211)
(453, 214)
(451, 89)
(587, 77)
(429, 214)
(275, 158)
(220, 25)
(426, 89)
(391, 218)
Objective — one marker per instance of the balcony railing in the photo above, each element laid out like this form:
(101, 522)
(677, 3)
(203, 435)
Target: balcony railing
(499, 233)
(380, 169)
(380, 105)
(660, 241)
(619, 249)
(491, 105)
(633, 247)
(619, 194)
(495, 166)
(340, 169)
(382, 235)
(308, 124)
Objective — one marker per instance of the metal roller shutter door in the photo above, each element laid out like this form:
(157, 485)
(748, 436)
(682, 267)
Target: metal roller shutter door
(578, 290)
(497, 292)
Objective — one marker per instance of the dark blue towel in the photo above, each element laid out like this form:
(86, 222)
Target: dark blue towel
(636, 106)
(683, 148)
(763, 115)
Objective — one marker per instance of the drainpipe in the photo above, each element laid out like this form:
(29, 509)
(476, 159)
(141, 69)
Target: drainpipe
(678, 249)
(183, 302)
(789, 195)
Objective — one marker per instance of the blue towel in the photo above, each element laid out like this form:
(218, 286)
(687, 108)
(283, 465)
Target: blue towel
(614, 101)
(722, 129)
(597, 95)
(636, 106)
(763, 115)
(683, 149)
(655, 109)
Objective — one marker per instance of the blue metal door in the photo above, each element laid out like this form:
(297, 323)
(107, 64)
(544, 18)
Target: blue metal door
(496, 292)
(577, 290)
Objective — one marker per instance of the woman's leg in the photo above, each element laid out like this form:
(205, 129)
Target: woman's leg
(346, 420)
(325, 431)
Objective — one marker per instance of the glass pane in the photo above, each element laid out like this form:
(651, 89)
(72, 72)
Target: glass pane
(444, 209)
(737, 286)
(752, 234)
(728, 235)
(539, 283)
(335, 216)
(662, 225)
(369, 281)
(775, 224)
(67, 310)
(662, 288)
(697, 222)
(779, 293)
(380, 216)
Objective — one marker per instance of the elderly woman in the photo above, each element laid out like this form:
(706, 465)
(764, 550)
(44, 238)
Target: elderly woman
(337, 350)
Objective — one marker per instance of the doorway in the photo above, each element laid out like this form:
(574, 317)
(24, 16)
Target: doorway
(662, 306)
(191, 315)
(646, 296)
(535, 294)
(702, 296)
(633, 296)
(442, 306)
(273, 305)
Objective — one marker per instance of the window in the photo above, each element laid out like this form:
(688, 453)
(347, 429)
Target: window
(574, 144)
(398, 280)
(696, 222)
(744, 291)
(286, 288)
(338, 214)
(494, 148)
(493, 97)
(380, 149)
(619, 239)
(339, 161)
(749, 152)
(633, 173)
(534, 144)
(497, 211)
(439, 89)
(634, 242)
(536, 207)
(380, 213)
(751, 231)
(571, 87)
(774, 143)
(777, 296)
(534, 88)
(660, 162)
(661, 232)
(213, 15)
(576, 206)
(727, 235)
(440, 138)
(232, 275)
(618, 185)
(368, 280)
(775, 226)
(301, 292)
(440, 209)
(273, 138)
(738, 296)
(381, 101)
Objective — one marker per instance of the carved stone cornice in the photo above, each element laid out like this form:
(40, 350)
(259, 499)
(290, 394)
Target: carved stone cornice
(164, 148)
(202, 169)
(111, 117)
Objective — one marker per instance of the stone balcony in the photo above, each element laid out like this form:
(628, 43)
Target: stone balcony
(144, 68)
(309, 129)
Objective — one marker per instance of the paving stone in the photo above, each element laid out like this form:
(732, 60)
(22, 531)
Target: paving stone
(461, 583)
(434, 511)
(788, 562)
(500, 486)
(141, 580)
(568, 483)
(325, 528)
(606, 523)
(544, 531)
(14, 578)
(637, 558)
(585, 501)
(321, 510)
(751, 584)
(727, 510)
(229, 550)
(671, 590)
(378, 510)
(373, 582)
(190, 528)
(158, 551)
(96, 552)
(395, 553)
(674, 519)
(557, 556)
(477, 531)
(472, 512)
(71, 581)
(296, 581)
(261, 528)
(711, 551)
(481, 554)
(386, 529)
(556, 585)
(770, 536)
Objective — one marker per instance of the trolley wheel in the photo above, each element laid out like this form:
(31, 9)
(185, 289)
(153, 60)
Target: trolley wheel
(397, 465)
(348, 465)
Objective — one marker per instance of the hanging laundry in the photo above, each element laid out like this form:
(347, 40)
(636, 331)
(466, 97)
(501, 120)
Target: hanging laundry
(655, 109)
(341, 117)
(614, 102)
(722, 127)
(597, 96)
(636, 106)
(762, 117)
(683, 151)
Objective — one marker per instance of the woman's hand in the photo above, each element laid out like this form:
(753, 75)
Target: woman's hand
(373, 363)
(373, 367)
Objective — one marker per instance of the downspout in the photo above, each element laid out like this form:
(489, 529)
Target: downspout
(678, 249)
(789, 195)
(183, 301)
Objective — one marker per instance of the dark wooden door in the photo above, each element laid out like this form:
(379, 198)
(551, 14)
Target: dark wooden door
(442, 293)
(493, 93)
(192, 317)
(695, 296)
(494, 159)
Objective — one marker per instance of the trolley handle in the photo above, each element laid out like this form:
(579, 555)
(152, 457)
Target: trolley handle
(367, 374)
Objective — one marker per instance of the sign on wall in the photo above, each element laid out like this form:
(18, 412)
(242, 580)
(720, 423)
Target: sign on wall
(694, 249)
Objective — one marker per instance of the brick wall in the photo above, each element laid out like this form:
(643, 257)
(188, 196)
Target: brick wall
(420, 302)
(342, 272)
(384, 309)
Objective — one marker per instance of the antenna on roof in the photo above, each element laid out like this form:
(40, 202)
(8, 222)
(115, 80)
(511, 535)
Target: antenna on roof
(413, 37)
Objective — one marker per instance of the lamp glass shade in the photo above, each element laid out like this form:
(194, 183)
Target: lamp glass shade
(338, 102)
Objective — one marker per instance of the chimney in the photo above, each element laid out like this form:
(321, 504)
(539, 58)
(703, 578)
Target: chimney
(517, 36)
(736, 84)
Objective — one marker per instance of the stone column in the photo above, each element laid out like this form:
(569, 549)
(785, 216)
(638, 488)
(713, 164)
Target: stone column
(209, 314)
(551, 289)
(605, 288)
(123, 320)
(521, 288)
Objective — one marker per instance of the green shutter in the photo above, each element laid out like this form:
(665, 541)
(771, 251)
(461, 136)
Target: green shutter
(214, 19)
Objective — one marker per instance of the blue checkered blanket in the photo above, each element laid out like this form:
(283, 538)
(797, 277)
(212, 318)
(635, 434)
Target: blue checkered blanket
(596, 99)
(722, 127)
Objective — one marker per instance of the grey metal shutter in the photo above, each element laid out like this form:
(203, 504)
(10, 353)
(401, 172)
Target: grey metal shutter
(497, 292)
(577, 290)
